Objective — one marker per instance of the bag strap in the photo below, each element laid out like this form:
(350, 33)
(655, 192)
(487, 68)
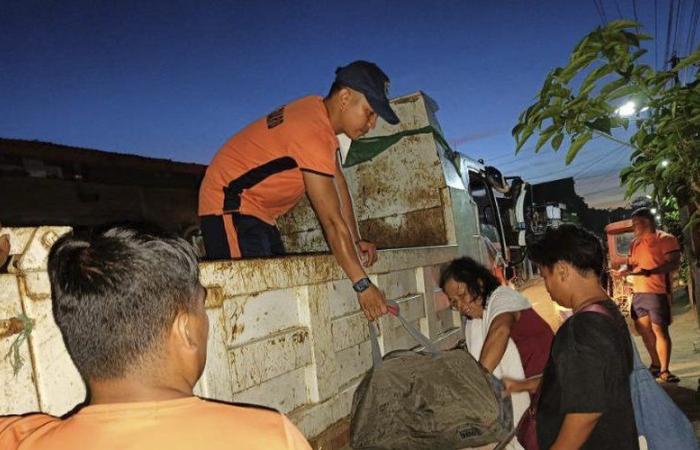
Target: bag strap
(598, 308)
(410, 329)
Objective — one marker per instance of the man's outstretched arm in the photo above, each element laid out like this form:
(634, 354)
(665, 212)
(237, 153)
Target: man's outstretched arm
(368, 251)
(323, 195)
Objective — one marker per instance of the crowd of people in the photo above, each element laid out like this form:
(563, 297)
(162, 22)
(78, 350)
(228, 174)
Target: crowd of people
(130, 307)
(131, 311)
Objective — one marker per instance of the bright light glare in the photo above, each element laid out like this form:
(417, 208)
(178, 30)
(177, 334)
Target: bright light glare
(653, 210)
(649, 196)
(658, 217)
(627, 110)
(664, 163)
(646, 108)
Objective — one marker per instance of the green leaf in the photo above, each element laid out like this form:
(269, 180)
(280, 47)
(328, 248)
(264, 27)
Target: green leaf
(516, 129)
(544, 137)
(601, 124)
(625, 173)
(550, 111)
(594, 76)
(622, 91)
(556, 142)
(687, 61)
(575, 66)
(632, 38)
(610, 87)
(576, 146)
(639, 53)
(524, 136)
(617, 25)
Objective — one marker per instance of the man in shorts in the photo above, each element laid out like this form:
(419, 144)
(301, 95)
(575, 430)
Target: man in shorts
(654, 254)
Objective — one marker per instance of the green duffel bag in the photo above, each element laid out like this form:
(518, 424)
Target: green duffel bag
(428, 400)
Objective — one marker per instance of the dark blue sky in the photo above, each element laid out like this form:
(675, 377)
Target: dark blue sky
(175, 79)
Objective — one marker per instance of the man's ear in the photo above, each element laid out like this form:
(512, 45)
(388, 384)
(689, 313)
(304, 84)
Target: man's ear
(344, 98)
(561, 270)
(181, 329)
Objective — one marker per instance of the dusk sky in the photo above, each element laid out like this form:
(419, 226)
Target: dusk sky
(175, 79)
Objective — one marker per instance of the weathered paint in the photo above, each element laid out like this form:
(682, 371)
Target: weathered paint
(18, 392)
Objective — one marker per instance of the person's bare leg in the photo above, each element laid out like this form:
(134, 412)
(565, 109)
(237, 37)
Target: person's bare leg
(663, 345)
(643, 326)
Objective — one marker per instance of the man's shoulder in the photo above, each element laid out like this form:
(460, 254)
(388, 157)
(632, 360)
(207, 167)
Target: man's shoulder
(588, 329)
(231, 410)
(666, 237)
(14, 429)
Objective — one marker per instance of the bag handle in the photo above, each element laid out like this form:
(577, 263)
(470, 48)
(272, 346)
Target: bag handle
(410, 329)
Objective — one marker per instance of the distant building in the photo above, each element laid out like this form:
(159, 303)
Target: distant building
(49, 184)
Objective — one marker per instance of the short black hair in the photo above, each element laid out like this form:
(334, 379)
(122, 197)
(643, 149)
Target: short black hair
(115, 295)
(570, 243)
(479, 280)
(645, 213)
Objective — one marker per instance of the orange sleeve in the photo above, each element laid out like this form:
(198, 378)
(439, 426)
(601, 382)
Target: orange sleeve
(315, 152)
(14, 429)
(670, 244)
(295, 440)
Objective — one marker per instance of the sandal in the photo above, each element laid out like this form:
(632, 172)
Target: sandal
(655, 371)
(669, 378)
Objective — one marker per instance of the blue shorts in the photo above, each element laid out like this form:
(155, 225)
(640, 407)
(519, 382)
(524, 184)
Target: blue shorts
(653, 305)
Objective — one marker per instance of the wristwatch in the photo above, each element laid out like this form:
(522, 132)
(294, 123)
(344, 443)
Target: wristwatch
(361, 285)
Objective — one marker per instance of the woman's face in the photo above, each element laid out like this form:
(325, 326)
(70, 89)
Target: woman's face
(462, 300)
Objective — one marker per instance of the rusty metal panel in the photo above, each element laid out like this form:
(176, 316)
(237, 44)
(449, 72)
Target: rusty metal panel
(349, 331)
(284, 393)
(269, 357)
(354, 362)
(250, 317)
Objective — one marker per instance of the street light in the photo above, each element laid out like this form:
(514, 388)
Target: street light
(627, 110)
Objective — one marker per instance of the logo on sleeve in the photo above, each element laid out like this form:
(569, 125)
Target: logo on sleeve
(275, 118)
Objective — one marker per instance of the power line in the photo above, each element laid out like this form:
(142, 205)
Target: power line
(619, 11)
(668, 33)
(599, 160)
(656, 35)
(679, 8)
(600, 12)
(636, 17)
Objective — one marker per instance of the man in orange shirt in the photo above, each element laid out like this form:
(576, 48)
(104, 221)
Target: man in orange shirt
(264, 170)
(654, 254)
(131, 311)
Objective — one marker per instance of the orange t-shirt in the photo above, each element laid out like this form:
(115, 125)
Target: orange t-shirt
(650, 252)
(258, 171)
(183, 424)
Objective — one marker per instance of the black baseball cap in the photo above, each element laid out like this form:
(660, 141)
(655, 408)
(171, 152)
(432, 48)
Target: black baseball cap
(369, 79)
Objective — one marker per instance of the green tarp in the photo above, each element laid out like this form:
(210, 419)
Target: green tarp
(365, 149)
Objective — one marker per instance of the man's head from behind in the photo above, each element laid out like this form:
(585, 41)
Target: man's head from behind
(569, 257)
(129, 304)
(643, 221)
(357, 97)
